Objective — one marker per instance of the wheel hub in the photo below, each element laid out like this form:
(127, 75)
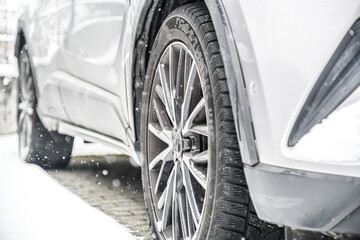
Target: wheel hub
(181, 145)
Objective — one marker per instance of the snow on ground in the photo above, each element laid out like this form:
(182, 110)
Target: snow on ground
(33, 206)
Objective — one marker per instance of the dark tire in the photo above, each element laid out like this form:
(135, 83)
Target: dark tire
(226, 211)
(37, 145)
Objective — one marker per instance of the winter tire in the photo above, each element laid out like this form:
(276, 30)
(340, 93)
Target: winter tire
(193, 178)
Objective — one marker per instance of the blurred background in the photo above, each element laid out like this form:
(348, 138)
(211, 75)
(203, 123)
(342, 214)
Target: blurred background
(8, 66)
(9, 75)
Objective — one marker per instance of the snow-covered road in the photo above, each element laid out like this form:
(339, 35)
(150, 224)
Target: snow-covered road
(35, 207)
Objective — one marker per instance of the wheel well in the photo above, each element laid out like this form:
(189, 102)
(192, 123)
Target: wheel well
(153, 15)
(20, 42)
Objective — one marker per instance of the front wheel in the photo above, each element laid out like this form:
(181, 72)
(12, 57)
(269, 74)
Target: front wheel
(193, 178)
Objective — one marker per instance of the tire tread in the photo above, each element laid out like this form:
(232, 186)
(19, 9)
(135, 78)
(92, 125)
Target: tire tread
(235, 215)
(229, 224)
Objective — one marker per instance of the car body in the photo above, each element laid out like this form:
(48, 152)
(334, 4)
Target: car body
(90, 59)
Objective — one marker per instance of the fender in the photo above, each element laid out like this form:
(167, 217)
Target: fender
(236, 84)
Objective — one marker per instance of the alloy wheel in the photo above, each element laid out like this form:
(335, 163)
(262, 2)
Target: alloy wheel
(177, 143)
(25, 108)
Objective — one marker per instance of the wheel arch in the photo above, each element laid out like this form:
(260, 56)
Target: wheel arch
(20, 42)
(152, 16)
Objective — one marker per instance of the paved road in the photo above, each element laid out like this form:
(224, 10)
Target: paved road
(111, 184)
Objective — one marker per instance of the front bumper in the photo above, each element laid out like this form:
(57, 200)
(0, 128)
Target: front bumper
(305, 200)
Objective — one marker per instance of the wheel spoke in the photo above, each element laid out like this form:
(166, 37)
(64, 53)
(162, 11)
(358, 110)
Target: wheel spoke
(167, 200)
(182, 215)
(161, 115)
(201, 158)
(165, 155)
(22, 97)
(201, 129)
(195, 171)
(25, 79)
(163, 176)
(174, 214)
(190, 121)
(160, 92)
(172, 86)
(27, 68)
(21, 118)
(27, 122)
(166, 92)
(28, 86)
(191, 197)
(179, 78)
(23, 92)
(187, 67)
(190, 221)
(163, 135)
(188, 93)
(174, 203)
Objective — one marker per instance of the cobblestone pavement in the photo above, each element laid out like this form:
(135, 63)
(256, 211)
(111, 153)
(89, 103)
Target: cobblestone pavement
(110, 184)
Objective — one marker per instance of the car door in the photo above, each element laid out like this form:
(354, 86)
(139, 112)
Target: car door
(43, 36)
(92, 93)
